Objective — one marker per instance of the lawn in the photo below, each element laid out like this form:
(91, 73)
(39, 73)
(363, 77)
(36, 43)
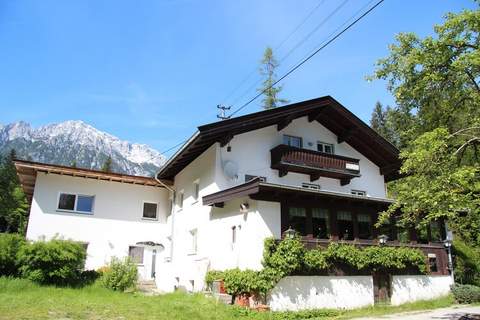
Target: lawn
(21, 299)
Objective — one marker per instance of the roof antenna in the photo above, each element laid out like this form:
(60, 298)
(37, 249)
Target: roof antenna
(221, 109)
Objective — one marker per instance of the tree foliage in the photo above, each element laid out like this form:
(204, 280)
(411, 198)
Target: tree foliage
(437, 122)
(270, 91)
(13, 204)
(107, 165)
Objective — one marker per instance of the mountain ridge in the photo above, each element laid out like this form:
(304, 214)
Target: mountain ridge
(76, 141)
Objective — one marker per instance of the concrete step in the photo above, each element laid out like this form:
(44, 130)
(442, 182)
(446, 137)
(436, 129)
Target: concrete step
(147, 286)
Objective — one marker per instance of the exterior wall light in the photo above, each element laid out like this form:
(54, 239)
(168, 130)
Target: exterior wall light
(290, 233)
(382, 239)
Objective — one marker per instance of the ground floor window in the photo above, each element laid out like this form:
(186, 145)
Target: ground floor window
(297, 219)
(136, 254)
(320, 223)
(364, 226)
(345, 225)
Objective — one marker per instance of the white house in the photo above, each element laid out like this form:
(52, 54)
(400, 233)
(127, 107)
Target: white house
(312, 166)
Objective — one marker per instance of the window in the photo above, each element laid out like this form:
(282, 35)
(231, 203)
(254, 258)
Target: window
(325, 147)
(234, 235)
(171, 203)
(345, 225)
(193, 241)
(320, 223)
(196, 190)
(364, 226)
(359, 193)
(432, 262)
(180, 200)
(136, 253)
(292, 141)
(312, 186)
(75, 203)
(149, 210)
(436, 231)
(249, 177)
(297, 219)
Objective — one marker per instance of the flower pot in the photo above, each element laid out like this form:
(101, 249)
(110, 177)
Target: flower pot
(243, 300)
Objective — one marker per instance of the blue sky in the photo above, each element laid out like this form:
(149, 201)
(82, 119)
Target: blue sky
(151, 71)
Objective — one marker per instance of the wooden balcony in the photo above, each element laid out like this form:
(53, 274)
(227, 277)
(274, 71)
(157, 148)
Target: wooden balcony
(314, 163)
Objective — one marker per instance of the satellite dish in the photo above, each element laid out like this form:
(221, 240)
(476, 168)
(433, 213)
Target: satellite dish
(230, 169)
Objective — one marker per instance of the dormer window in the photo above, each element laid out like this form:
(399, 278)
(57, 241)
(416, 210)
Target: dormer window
(292, 141)
(325, 147)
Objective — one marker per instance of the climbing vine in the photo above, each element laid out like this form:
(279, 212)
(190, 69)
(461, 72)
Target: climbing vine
(289, 257)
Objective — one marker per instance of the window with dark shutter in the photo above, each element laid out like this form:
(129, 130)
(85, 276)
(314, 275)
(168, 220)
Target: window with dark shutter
(149, 210)
(136, 254)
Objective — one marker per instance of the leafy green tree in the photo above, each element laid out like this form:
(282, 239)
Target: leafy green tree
(107, 165)
(267, 70)
(435, 79)
(13, 204)
(435, 83)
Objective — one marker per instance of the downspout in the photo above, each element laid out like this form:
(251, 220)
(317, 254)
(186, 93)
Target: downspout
(172, 212)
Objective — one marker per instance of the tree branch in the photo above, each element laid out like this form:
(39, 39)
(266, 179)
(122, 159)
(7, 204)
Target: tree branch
(472, 78)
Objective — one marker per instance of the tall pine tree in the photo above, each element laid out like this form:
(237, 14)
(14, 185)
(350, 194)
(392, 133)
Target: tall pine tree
(13, 203)
(270, 92)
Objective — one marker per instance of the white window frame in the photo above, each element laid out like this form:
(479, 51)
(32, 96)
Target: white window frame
(196, 190)
(193, 241)
(143, 254)
(359, 193)
(156, 212)
(181, 199)
(76, 201)
(326, 144)
(289, 136)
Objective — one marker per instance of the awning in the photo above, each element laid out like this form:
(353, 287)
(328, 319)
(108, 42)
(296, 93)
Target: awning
(258, 190)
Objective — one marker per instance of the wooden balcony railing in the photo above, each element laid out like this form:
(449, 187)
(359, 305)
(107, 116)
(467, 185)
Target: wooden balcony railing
(314, 163)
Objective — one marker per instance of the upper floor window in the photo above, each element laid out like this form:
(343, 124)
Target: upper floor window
(359, 193)
(193, 241)
(249, 177)
(196, 190)
(75, 203)
(180, 200)
(292, 141)
(325, 147)
(149, 210)
(136, 254)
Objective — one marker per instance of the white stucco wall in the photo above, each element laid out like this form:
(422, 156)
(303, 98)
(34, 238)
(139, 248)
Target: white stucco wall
(251, 152)
(421, 287)
(116, 222)
(315, 292)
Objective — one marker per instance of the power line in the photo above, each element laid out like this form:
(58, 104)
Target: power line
(308, 57)
(254, 71)
(302, 41)
(175, 146)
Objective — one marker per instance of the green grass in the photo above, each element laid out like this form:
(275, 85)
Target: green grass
(22, 299)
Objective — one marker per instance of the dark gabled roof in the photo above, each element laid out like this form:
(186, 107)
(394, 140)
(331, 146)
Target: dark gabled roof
(27, 174)
(326, 110)
(260, 190)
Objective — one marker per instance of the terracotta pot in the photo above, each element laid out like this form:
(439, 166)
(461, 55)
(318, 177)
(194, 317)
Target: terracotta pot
(243, 300)
(222, 287)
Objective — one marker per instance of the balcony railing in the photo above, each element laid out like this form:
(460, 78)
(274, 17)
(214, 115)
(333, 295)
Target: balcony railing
(314, 163)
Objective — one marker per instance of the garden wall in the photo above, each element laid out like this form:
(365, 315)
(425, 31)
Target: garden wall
(412, 288)
(314, 292)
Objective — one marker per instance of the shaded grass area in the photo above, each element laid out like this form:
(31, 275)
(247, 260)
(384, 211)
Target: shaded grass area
(22, 299)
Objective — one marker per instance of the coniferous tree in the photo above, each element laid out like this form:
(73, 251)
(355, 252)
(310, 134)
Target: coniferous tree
(73, 164)
(381, 122)
(13, 204)
(270, 92)
(107, 165)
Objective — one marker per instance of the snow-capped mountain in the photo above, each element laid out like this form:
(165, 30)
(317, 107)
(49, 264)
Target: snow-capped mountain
(75, 141)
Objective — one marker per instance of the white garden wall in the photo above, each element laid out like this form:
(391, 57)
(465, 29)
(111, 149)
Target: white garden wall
(315, 292)
(412, 288)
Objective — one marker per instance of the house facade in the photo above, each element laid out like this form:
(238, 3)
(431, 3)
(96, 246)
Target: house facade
(313, 167)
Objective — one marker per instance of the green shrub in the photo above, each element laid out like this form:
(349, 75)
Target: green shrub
(213, 275)
(467, 263)
(315, 260)
(10, 244)
(466, 293)
(58, 262)
(120, 274)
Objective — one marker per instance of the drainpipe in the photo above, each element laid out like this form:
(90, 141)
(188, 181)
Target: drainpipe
(172, 212)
